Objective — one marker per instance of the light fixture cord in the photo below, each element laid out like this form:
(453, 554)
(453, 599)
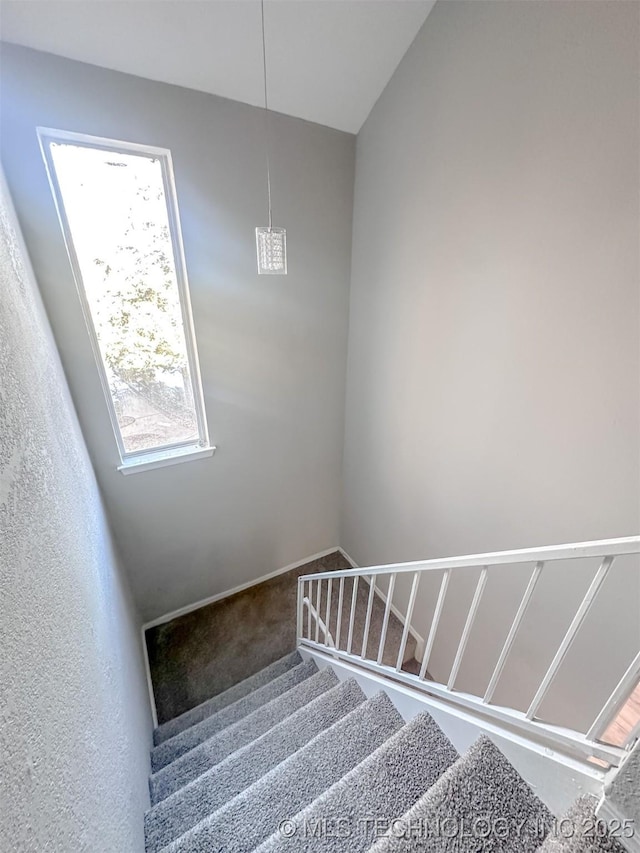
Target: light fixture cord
(266, 110)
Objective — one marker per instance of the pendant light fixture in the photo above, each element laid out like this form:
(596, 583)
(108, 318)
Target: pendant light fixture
(271, 243)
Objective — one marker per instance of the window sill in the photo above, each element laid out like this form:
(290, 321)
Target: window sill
(148, 461)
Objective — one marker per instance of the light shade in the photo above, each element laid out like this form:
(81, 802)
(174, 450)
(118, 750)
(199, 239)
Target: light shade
(271, 245)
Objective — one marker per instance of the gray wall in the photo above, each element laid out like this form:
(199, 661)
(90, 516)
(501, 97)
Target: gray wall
(493, 371)
(273, 350)
(76, 727)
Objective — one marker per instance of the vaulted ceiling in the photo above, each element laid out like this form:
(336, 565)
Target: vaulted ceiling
(328, 60)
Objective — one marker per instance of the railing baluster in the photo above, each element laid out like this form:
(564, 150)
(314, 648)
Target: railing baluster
(385, 621)
(340, 603)
(328, 609)
(586, 746)
(434, 624)
(299, 606)
(621, 693)
(504, 654)
(569, 637)
(318, 601)
(352, 615)
(471, 617)
(407, 621)
(367, 623)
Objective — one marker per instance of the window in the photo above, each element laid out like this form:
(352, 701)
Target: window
(117, 207)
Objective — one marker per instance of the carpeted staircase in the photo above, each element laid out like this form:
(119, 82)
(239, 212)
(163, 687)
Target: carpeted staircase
(292, 759)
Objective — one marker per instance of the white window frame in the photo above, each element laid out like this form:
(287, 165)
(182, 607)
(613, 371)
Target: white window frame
(169, 454)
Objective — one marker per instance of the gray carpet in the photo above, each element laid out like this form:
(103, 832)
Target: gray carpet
(228, 697)
(186, 740)
(295, 760)
(254, 814)
(191, 804)
(580, 831)
(212, 751)
(382, 787)
(202, 654)
(480, 803)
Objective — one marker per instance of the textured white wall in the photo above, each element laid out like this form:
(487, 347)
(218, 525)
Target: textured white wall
(493, 377)
(272, 349)
(622, 794)
(74, 719)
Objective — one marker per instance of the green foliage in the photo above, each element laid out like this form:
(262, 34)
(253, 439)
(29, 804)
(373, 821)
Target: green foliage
(138, 317)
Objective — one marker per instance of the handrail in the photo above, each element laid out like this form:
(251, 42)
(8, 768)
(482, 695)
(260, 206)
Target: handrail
(579, 550)
(587, 746)
(556, 737)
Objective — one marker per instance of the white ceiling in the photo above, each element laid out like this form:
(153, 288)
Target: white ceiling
(328, 60)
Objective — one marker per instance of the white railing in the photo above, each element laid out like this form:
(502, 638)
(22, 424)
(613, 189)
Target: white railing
(318, 590)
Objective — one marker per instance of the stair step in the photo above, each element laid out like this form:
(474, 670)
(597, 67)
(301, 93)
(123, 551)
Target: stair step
(480, 803)
(186, 740)
(580, 831)
(254, 814)
(228, 697)
(383, 786)
(214, 750)
(185, 808)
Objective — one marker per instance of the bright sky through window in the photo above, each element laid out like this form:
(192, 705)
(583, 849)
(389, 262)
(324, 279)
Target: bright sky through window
(118, 227)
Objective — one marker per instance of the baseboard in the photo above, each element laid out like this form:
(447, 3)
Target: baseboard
(420, 642)
(349, 559)
(189, 608)
(147, 670)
